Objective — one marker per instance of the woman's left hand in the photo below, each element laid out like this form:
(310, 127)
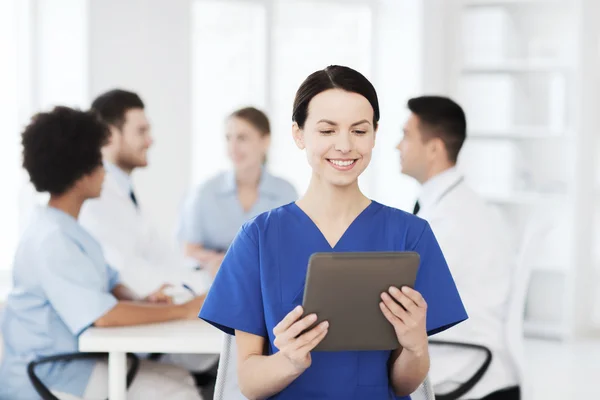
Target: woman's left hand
(160, 296)
(408, 320)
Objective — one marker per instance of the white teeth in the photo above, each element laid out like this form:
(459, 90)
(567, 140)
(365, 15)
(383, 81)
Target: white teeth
(340, 163)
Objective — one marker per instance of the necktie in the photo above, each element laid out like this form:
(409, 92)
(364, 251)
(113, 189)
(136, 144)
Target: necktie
(417, 208)
(132, 196)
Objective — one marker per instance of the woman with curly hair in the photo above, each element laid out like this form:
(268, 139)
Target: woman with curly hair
(62, 283)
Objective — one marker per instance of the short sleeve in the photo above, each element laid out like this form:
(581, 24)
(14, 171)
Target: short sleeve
(76, 287)
(114, 277)
(234, 301)
(191, 229)
(435, 283)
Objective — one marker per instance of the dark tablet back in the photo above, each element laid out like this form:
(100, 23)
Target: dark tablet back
(345, 289)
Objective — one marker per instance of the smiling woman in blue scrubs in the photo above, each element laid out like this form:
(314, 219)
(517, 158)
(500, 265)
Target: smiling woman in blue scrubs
(214, 213)
(258, 290)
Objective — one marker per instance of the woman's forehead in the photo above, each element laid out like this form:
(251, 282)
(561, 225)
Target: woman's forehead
(339, 106)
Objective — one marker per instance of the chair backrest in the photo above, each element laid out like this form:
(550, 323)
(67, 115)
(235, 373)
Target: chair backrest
(226, 386)
(536, 227)
(424, 392)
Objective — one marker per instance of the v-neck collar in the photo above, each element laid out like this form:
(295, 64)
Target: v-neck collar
(366, 212)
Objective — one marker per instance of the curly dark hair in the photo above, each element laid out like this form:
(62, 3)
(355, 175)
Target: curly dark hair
(62, 146)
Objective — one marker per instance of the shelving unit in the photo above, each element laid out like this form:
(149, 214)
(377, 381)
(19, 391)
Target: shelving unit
(522, 198)
(514, 65)
(475, 3)
(519, 133)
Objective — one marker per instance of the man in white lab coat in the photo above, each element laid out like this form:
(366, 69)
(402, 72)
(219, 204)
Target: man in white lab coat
(130, 243)
(476, 244)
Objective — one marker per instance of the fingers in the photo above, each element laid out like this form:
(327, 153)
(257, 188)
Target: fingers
(314, 337)
(410, 302)
(298, 327)
(388, 314)
(415, 296)
(394, 307)
(161, 300)
(288, 320)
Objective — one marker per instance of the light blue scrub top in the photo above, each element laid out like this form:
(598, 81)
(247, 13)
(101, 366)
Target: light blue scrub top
(212, 215)
(262, 279)
(61, 285)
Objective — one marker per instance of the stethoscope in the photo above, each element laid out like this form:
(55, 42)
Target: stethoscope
(449, 189)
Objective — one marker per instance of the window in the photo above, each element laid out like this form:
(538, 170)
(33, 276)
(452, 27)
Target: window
(59, 77)
(259, 51)
(229, 71)
(303, 44)
(13, 101)
(59, 44)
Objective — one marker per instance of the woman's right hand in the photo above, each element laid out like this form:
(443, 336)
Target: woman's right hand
(295, 347)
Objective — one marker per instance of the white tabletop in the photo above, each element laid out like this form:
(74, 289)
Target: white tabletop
(193, 336)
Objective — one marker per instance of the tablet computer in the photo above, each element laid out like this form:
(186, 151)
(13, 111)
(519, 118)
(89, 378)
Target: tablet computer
(345, 290)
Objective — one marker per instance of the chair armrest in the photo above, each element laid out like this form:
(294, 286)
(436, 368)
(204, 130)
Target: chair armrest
(472, 381)
(45, 393)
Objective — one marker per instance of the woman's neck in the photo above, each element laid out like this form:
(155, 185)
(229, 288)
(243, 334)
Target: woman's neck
(68, 203)
(326, 202)
(249, 178)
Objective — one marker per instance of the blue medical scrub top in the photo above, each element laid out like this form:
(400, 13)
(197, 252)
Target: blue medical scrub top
(262, 279)
(212, 215)
(61, 285)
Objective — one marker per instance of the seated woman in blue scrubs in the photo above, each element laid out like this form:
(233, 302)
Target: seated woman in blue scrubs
(61, 282)
(258, 290)
(214, 213)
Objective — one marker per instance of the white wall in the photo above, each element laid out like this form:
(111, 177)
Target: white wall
(61, 46)
(398, 76)
(144, 46)
(9, 139)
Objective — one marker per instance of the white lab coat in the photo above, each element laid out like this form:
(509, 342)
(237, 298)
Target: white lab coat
(131, 245)
(144, 259)
(479, 250)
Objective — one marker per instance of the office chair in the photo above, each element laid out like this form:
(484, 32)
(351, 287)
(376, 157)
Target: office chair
(46, 394)
(535, 228)
(424, 392)
(477, 375)
(226, 387)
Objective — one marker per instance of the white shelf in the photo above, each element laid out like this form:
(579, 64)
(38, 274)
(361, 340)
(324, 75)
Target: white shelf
(515, 66)
(543, 329)
(479, 3)
(523, 133)
(514, 71)
(555, 268)
(524, 198)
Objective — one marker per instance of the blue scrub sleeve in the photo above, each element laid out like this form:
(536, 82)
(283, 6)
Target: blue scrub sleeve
(435, 283)
(234, 301)
(76, 288)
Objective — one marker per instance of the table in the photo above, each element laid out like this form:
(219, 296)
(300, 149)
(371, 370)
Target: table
(193, 336)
